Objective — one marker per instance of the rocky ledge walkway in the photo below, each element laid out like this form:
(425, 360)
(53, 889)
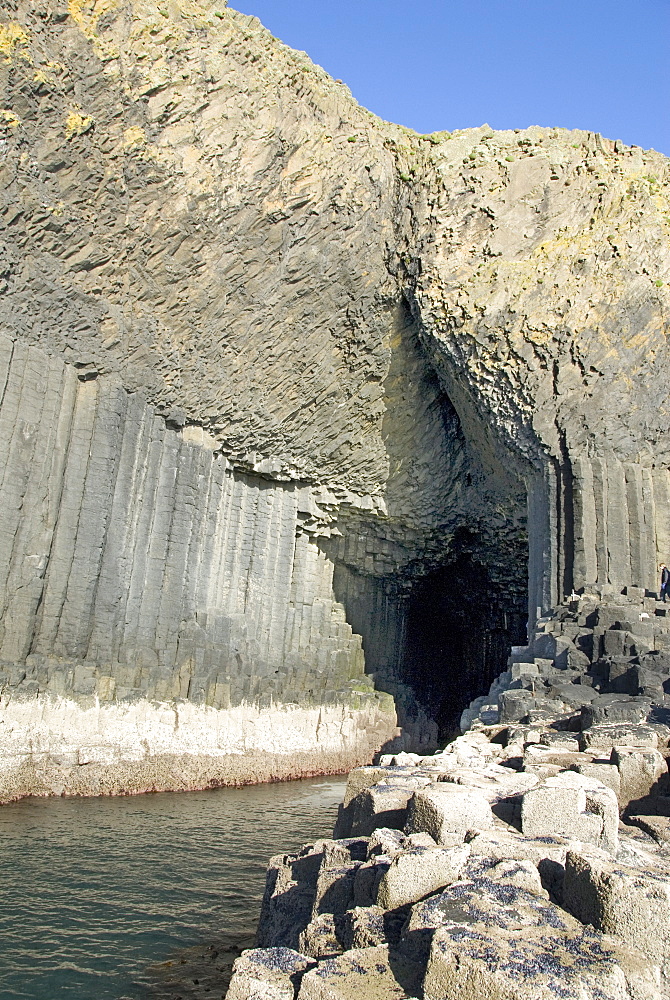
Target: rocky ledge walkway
(530, 859)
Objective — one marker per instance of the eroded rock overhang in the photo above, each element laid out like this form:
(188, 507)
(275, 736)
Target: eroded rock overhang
(296, 400)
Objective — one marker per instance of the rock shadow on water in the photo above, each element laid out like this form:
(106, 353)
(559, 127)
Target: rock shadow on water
(202, 971)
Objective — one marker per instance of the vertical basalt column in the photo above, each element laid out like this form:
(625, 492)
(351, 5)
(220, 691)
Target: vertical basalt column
(49, 636)
(555, 539)
(379, 616)
(660, 479)
(585, 560)
(620, 522)
(649, 555)
(140, 559)
(600, 489)
(566, 558)
(641, 519)
(109, 615)
(541, 548)
(76, 619)
(30, 505)
(174, 590)
(618, 533)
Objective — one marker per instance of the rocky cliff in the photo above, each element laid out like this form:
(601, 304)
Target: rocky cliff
(301, 409)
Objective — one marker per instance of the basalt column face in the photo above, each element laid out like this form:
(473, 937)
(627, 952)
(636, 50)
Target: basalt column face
(302, 413)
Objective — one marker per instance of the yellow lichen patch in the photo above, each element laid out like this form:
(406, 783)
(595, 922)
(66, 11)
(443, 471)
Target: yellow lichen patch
(86, 13)
(636, 342)
(76, 123)
(12, 36)
(134, 137)
(190, 159)
(48, 74)
(9, 119)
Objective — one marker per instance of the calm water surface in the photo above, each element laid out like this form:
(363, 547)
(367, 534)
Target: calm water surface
(146, 896)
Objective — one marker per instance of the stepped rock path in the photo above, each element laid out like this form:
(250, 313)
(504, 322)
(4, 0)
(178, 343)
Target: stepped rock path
(303, 415)
(530, 858)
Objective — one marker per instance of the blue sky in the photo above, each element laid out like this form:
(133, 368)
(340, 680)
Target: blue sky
(446, 64)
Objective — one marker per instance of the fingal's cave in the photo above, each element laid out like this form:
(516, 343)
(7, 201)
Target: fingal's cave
(304, 416)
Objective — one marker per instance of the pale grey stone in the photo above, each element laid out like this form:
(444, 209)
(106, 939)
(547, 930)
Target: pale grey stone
(446, 811)
(633, 905)
(419, 872)
(267, 974)
(572, 805)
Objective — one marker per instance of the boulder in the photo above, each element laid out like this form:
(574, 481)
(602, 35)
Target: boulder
(381, 805)
(508, 845)
(533, 964)
(418, 873)
(361, 974)
(319, 938)
(631, 904)
(574, 806)
(657, 661)
(447, 811)
(368, 877)
(362, 927)
(657, 827)
(360, 778)
(639, 771)
(521, 670)
(515, 705)
(385, 841)
(518, 704)
(357, 781)
(288, 900)
(479, 901)
(521, 873)
(615, 708)
(267, 974)
(560, 740)
(601, 771)
(334, 888)
(419, 840)
(607, 735)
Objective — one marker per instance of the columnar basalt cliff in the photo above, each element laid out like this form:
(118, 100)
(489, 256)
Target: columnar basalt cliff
(303, 413)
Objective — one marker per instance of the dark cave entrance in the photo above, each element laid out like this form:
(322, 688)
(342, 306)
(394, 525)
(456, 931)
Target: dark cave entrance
(437, 584)
(436, 638)
(460, 627)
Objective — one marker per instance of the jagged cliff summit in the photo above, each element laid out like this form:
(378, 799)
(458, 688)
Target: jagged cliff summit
(303, 414)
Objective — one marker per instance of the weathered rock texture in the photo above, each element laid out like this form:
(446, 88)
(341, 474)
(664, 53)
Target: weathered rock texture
(497, 876)
(293, 394)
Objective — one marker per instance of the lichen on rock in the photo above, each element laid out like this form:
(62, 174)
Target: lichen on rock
(302, 407)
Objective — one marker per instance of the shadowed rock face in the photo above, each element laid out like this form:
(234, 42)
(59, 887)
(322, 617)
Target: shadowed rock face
(276, 370)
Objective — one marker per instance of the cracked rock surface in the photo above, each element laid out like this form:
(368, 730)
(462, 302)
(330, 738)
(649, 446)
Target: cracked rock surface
(297, 403)
(558, 890)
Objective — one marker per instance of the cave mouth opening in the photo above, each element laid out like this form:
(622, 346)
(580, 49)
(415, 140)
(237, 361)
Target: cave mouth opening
(437, 585)
(460, 626)
(436, 634)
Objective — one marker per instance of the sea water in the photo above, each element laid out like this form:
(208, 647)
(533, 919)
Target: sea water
(146, 896)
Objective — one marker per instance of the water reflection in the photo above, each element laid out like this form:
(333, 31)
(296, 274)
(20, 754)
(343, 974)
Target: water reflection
(135, 897)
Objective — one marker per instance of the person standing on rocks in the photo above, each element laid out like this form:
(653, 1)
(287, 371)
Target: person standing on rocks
(665, 580)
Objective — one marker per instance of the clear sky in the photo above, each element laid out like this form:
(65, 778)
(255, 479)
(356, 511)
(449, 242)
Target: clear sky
(602, 65)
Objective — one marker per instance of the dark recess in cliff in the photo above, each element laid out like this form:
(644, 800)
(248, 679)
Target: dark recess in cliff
(460, 627)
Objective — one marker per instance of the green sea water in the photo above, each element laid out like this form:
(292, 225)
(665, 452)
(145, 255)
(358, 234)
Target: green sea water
(147, 896)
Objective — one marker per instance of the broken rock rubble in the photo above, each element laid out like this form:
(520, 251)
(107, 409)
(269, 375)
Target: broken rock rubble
(498, 867)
